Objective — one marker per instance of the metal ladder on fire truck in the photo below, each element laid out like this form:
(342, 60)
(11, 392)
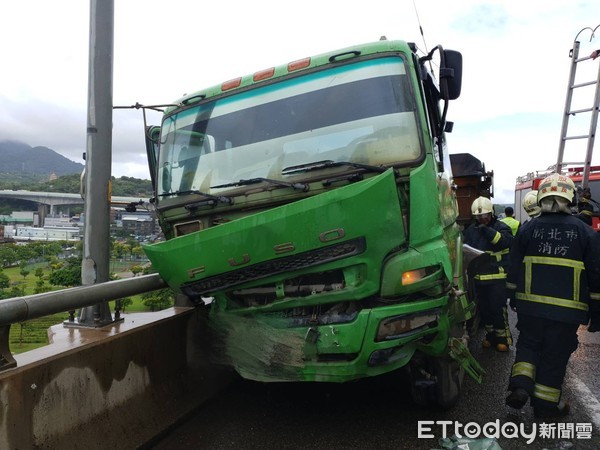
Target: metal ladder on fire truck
(568, 113)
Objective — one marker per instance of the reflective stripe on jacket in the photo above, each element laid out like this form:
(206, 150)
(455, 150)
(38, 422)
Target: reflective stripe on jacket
(495, 240)
(555, 268)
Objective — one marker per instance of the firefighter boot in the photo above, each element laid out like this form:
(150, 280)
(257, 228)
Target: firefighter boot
(489, 341)
(503, 339)
(560, 410)
(517, 398)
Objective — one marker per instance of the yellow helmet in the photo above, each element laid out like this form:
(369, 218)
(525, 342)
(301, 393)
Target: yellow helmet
(530, 204)
(482, 205)
(558, 185)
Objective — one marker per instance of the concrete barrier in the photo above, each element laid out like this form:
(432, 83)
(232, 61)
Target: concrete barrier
(112, 387)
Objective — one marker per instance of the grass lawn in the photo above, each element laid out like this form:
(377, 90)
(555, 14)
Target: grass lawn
(32, 334)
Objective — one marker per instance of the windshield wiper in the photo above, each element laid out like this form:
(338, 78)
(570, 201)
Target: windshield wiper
(297, 186)
(318, 165)
(215, 198)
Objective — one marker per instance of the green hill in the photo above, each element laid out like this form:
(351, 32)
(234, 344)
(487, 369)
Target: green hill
(20, 159)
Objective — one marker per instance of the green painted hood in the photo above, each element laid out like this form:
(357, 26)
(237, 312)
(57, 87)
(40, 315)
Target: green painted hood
(366, 211)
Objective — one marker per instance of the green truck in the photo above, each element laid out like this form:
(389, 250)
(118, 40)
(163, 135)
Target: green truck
(311, 207)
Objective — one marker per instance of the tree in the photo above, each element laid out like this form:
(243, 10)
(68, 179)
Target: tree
(40, 286)
(158, 300)
(25, 253)
(69, 275)
(137, 251)
(8, 255)
(24, 272)
(4, 281)
(17, 291)
(125, 302)
(54, 263)
(45, 250)
(118, 250)
(123, 186)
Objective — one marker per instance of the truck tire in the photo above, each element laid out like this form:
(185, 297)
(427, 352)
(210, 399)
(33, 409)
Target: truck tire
(450, 378)
(435, 381)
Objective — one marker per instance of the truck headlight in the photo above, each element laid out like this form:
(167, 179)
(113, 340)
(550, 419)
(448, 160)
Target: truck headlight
(405, 325)
(414, 276)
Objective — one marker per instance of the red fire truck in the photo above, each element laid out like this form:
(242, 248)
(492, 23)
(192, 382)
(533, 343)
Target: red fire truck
(532, 180)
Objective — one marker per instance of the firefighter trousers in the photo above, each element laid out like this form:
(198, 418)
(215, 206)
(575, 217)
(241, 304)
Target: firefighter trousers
(491, 298)
(544, 347)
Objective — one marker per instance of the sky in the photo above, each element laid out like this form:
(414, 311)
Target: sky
(515, 75)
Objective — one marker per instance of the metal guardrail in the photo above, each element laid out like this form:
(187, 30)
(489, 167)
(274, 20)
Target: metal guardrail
(19, 309)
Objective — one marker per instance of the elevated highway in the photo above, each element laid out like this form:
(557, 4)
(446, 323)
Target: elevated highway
(47, 201)
(53, 199)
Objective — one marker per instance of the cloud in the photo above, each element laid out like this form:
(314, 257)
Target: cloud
(511, 146)
(516, 62)
(486, 19)
(44, 124)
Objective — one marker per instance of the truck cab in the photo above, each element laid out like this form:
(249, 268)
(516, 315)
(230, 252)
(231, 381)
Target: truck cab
(310, 207)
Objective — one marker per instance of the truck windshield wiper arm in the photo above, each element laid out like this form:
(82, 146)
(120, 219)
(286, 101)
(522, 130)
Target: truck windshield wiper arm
(217, 198)
(318, 165)
(297, 186)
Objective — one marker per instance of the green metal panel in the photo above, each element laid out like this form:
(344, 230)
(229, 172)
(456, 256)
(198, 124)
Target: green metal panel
(369, 209)
(263, 350)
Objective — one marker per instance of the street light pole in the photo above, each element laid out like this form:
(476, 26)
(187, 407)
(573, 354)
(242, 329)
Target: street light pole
(95, 263)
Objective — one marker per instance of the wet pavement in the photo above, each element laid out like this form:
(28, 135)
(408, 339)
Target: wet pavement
(63, 339)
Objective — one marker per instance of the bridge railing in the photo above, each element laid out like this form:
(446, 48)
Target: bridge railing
(19, 309)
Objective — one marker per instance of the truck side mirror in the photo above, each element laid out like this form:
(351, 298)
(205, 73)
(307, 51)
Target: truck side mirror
(451, 72)
(152, 140)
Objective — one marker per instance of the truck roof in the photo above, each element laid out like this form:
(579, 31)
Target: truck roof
(261, 76)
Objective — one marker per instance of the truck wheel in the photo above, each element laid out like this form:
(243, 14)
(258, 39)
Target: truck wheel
(435, 381)
(450, 378)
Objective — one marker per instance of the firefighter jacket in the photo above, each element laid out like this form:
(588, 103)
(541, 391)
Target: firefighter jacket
(494, 239)
(555, 269)
(585, 210)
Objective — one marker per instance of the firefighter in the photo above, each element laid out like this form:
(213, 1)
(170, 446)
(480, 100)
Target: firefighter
(553, 284)
(585, 210)
(493, 237)
(510, 219)
(530, 205)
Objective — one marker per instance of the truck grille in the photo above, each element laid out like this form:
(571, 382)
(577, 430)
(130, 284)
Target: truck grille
(268, 268)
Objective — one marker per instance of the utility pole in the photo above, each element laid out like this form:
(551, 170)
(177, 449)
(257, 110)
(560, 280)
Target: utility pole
(98, 159)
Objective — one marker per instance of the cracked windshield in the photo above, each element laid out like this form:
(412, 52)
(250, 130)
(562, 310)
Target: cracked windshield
(361, 113)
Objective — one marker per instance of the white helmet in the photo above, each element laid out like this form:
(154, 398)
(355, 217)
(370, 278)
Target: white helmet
(557, 185)
(482, 205)
(530, 204)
